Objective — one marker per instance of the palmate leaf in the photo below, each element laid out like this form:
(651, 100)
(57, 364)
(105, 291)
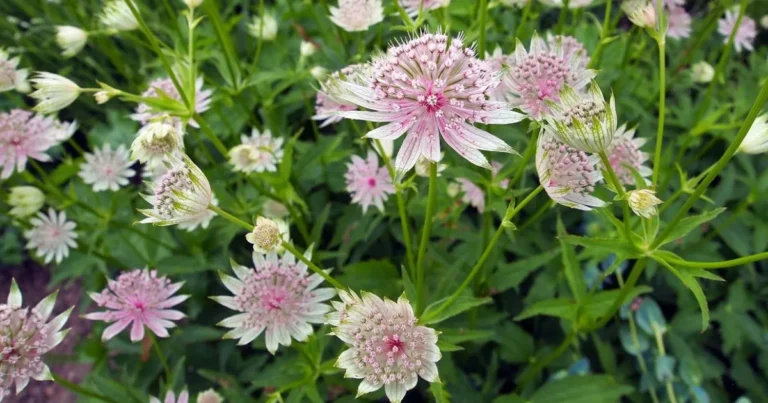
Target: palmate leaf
(459, 305)
(688, 278)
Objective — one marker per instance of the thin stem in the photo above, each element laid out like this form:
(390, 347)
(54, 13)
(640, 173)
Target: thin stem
(604, 33)
(80, 390)
(260, 40)
(663, 352)
(312, 266)
(531, 373)
(662, 104)
(426, 232)
(536, 216)
(634, 275)
(720, 265)
(529, 152)
(208, 131)
(230, 217)
(161, 356)
(483, 18)
(191, 50)
(561, 18)
(622, 194)
(526, 13)
(218, 27)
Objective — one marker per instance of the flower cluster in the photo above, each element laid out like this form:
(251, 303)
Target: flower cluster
(11, 76)
(367, 182)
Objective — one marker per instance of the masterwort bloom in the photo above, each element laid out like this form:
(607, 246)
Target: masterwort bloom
(278, 296)
(209, 396)
(583, 121)
(266, 235)
(327, 107)
(756, 141)
(258, 153)
(145, 113)
(702, 72)
(429, 88)
(624, 155)
(157, 139)
(23, 135)
(412, 6)
(170, 397)
(641, 12)
(26, 336)
(267, 31)
(117, 16)
(386, 346)
(138, 298)
(51, 236)
(535, 78)
(357, 15)
(643, 202)
(25, 201)
(367, 182)
(53, 92)
(568, 175)
(745, 34)
(181, 195)
(679, 23)
(202, 220)
(471, 194)
(70, 39)
(106, 168)
(12, 77)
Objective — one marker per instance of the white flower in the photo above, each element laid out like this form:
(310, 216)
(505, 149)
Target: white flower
(265, 235)
(193, 3)
(170, 397)
(357, 15)
(571, 3)
(156, 140)
(70, 39)
(641, 12)
(266, 32)
(53, 92)
(260, 152)
(62, 131)
(51, 236)
(386, 346)
(202, 220)
(11, 77)
(702, 72)
(118, 16)
(106, 168)
(25, 201)
(756, 141)
(307, 49)
(319, 73)
(209, 396)
(643, 202)
(764, 21)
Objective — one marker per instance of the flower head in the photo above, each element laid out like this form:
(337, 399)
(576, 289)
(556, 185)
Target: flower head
(157, 139)
(265, 235)
(327, 107)
(428, 88)
(571, 4)
(357, 15)
(193, 3)
(756, 141)
(145, 113)
(70, 39)
(138, 298)
(106, 168)
(202, 220)
(307, 49)
(118, 16)
(536, 78)
(625, 156)
(412, 6)
(573, 50)
(258, 153)
(181, 195)
(266, 32)
(318, 72)
(386, 347)
(679, 23)
(209, 396)
(702, 72)
(472, 194)
(53, 92)
(641, 12)
(11, 77)
(170, 397)
(568, 175)
(26, 336)
(51, 236)
(583, 121)
(643, 202)
(745, 33)
(278, 296)
(24, 135)
(25, 201)
(367, 182)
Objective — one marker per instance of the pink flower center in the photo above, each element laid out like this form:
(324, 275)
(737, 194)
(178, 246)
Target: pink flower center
(432, 101)
(372, 182)
(274, 300)
(394, 344)
(139, 305)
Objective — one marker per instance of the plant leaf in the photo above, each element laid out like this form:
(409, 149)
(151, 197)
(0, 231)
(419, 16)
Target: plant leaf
(688, 224)
(459, 305)
(581, 389)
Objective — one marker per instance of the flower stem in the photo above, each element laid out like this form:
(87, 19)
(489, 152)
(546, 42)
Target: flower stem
(604, 33)
(80, 390)
(161, 356)
(230, 217)
(561, 18)
(538, 365)
(529, 152)
(662, 352)
(312, 266)
(426, 232)
(622, 194)
(208, 131)
(720, 265)
(483, 20)
(526, 13)
(634, 275)
(662, 104)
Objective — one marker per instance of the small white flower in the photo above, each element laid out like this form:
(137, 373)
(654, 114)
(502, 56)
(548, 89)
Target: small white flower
(643, 202)
(702, 72)
(307, 49)
(357, 15)
(453, 189)
(118, 16)
(209, 396)
(258, 153)
(106, 168)
(268, 235)
(764, 21)
(583, 121)
(641, 12)
(319, 73)
(756, 141)
(101, 97)
(25, 201)
(202, 220)
(266, 32)
(156, 140)
(53, 92)
(193, 3)
(51, 236)
(62, 131)
(70, 39)
(11, 77)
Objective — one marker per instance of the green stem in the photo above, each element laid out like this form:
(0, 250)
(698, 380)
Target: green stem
(191, 49)
(80, 390)
(312, 266)
(224, 40)
(663, 352)
(161, 356)
(483, 19)
(604, 33)
(529, 152)
(208, 131)
(622, 194)
(536, 216)
(259, 40)
(526, 13)
(531, 372)
(561, 18)
(720, 265)
(662, 102)
(634, 275)
(230, 217)
(426, 232)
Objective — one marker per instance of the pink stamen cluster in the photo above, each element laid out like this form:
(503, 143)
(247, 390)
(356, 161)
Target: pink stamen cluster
(367, 182)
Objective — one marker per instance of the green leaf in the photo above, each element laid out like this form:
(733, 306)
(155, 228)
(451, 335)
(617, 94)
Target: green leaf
(511, 275)
(593, 307)
(462, 335)
(459, 305)
(690, 281)
(606, 245)
(439, 392)
(581, 389)
(377, 276)
(515, 344)
(513, 398)
(688, 224)
(573, 273)
(448, 347)
(410, 289)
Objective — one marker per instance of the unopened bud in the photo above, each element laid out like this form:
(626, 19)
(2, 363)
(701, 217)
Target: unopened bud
(643, 202)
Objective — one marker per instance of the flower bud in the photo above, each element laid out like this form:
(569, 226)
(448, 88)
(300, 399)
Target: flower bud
(25, 201)
(643, 202)
(193, 4)
(155, 140)
(266, 31)
(756, 141)
(319, 73)
(641, 12)
(265, 235)
(453, 189)
(307, 49)
(583, 120)
(53, 92)
(70, 39)
(117, 15)
(702, 72)
(764, 21)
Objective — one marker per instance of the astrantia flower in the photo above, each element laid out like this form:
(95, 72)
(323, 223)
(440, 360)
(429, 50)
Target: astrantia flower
(53, 92)
(182, 194)
(118, 16)
(268, 32)
(756, 141)
(51, 236)
(138, 298)
(702, 72)
(571, 3)
(472, 194)
(157, 139)
(367, 182)
(11, 77)
(745, 33)
(583, 121)
(568, 175)
(624, 155)
(429, 88)
(25, 201)
(106, 168)
(70, 39)
(209, 396)
(643, 202)
(318, 72)
(386, 347)
(278, 296)
(26, 336)
(328, 106)
(679, 23)
(145, 113)
(201, 220)
(23, 135)
(412, 6)
(258, 153)
(357, 15)
(62, 131)
(265, 235)
(641, 12)
(170, 397)
(536, 78)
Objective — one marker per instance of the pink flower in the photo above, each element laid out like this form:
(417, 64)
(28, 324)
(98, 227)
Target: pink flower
(144, 113)
(170, 397)
(412, 6)
(429, 88)
(624, 155)
(24, 135)
(745, 33)
(473, 195)
(679, 23)
(138, 298)
(536, 78)
(278, 296)
(357, 15)
(327, 106)
(367, 182)
(51, 236)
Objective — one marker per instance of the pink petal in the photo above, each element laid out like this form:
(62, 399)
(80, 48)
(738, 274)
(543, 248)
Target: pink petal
(137, 330)
(115, 328)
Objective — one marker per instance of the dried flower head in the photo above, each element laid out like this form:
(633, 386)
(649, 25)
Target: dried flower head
(164, 87)
(26, 336)
(278, 296)
(641, 12)
(53, 92)
(386, 347)
(625, 156)
(357, 15)
(367, 182)
(702, 72)
(24, 135)
(643, 202)
(25, 201)
(266, 31)
(472, 194)
(106, 168)
(116, 15)
(679, 23)
(756, 141)
(170, 397)
(745, 33)
(258, 153)
(11, 77)
(181, 195)
(141, 299)
(428, 88)
(412, 6)
(157, 139)
(51, 236)
(70, 39)
(568, 175)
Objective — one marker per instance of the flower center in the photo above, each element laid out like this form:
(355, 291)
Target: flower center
(432, 101)
(372, 182)
(274, 300)
(394, 344)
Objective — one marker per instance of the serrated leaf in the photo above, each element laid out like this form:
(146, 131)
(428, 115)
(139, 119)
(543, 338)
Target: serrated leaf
(459, 305)
(688, 224)
(690, 281)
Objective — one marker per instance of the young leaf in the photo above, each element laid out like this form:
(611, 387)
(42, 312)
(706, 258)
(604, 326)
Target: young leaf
(459, 305)
(688, 224)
